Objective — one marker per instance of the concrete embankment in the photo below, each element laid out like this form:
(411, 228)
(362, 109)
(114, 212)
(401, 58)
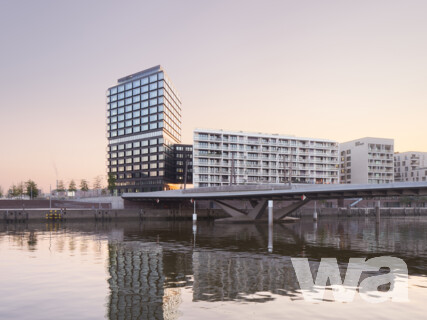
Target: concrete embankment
(14, 215)
(360, 212)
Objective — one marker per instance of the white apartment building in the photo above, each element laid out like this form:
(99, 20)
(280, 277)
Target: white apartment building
(367, 160)
(410, 166)
(229, 157)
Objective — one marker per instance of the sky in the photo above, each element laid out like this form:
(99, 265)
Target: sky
(339, 70)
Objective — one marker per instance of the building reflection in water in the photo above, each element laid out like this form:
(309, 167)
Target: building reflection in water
(153, 267)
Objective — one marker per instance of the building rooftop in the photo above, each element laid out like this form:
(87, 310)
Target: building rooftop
(141, 74)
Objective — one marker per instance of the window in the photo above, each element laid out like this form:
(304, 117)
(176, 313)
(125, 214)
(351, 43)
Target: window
(136, 99)
(128, 116)
(144, 119)
(144, 81)
(128, 94)
(113, 90)
(153, 125)
(121, 110)
(121, 88)
(144, 96)
(129, 101)
(153, 94)
(153, 110)
(136, 114)
(136, 83)
(136, 122)
(136, 106)
(153, 78)
(153, 117)
(144, 89)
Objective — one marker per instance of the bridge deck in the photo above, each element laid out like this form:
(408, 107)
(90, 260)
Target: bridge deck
(296, 192)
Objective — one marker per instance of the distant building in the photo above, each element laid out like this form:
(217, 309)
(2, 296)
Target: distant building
(143, 125)
(229, 157)
(367, 160)
(410, 166)
(183, 163)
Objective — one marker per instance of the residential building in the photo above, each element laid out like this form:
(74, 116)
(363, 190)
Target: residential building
(230, 157)
(410, 166)
(367, 160)
(143, 124)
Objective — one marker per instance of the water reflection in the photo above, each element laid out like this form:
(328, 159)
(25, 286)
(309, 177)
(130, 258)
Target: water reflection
(153, 267)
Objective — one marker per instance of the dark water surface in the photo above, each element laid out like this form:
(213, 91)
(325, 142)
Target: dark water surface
(170, 270)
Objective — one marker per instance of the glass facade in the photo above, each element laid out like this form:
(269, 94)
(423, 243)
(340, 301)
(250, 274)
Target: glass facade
(143, 125)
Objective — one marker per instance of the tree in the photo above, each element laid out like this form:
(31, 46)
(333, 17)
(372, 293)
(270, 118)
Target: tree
(60, 187)
(84, 186)
(31, 189)
(97, 182)
(1, 192)
(72, 187)
(16, 190)
(111, 182)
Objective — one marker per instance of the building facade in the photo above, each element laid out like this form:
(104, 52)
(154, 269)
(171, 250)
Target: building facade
(367, 161)
(228, 157)
(410, 166)
(183, 160)
(143, 124)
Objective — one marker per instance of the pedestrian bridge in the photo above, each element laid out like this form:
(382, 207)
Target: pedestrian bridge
(300, 194)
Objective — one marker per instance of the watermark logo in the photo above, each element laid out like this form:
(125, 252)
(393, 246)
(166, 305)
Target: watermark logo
(345, 291)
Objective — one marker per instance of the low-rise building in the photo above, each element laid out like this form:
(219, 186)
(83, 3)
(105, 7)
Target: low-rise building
(367, 160)
(231, 157)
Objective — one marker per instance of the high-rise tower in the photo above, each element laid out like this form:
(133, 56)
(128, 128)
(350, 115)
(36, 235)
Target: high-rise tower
(143, 124)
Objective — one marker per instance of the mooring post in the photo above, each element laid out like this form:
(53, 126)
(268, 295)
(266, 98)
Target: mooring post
(315, 211)
(270, 212)
(194, 213)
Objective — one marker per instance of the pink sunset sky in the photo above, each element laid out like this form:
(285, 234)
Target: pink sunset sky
(339, 70)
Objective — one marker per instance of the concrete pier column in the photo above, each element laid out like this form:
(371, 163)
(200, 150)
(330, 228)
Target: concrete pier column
(315, 211)
(270, 212)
